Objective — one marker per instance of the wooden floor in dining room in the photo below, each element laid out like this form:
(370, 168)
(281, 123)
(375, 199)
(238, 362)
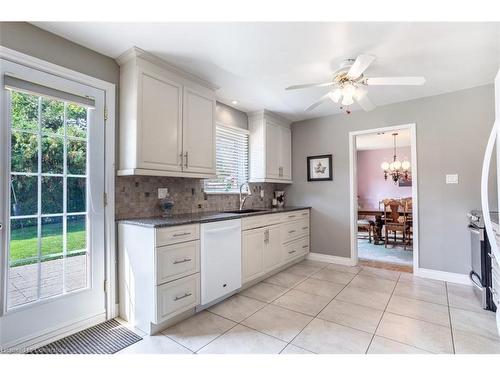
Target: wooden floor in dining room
(386, 266)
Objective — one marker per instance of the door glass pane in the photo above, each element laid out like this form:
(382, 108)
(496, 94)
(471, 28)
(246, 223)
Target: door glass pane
(76, 261)
(24, 110)
(23, 258)
(52, 116)
(48, 252)
(77, 157)
(52, 154)
(51, 282)
(24, 152)
(23, 195)
(76, 121)
(52, 195)
(76, 194)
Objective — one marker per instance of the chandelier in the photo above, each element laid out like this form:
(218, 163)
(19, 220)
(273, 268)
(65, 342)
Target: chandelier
(396, 169)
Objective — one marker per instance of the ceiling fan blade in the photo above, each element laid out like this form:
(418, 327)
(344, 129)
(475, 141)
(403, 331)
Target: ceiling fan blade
(364, 101)
(296, 87)
(404, 81)
(321, 100)
(360, 65)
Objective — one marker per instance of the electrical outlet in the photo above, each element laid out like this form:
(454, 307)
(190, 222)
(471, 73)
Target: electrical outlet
(452, 178)
(162, 193)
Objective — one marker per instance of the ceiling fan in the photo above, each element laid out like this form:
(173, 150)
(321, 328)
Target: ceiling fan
(350, 84)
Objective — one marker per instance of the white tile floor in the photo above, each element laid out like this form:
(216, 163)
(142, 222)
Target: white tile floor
(316, 307)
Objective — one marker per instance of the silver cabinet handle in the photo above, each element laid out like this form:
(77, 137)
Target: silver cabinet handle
(181, 234)
(182, 297)
(187, 159)
(291, 252)
(291, 231)
(182, 261)
(304, 228)
(181, 155)
(291, 216)
(305, 246)
(266, 236)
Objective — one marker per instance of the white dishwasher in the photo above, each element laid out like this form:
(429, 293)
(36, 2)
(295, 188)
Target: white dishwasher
(220, 259)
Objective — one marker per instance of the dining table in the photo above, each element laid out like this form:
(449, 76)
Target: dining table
(379, 221)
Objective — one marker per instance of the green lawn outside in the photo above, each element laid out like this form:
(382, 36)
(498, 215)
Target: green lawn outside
(24, 243)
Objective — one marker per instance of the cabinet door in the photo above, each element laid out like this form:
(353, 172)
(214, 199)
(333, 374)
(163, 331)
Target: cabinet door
(273, 144)
(286, 154)
(252, 252)
(198, 137)
(160, 125)
(272, 249)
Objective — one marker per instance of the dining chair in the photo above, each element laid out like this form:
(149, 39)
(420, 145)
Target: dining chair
(393, 220)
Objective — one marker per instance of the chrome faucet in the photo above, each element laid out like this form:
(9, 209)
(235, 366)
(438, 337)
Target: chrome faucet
(243, 199)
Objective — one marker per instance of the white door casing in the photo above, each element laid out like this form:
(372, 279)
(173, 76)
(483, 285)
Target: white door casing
(24, 323)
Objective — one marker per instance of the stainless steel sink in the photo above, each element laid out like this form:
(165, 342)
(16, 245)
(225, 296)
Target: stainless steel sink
(245, 211)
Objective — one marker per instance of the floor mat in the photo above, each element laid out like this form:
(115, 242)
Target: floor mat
(105, 338)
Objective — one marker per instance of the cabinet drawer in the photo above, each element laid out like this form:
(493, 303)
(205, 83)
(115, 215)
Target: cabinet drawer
(183, 233)
(273, 219)
(254, 222)
(296, 248)
(294, 229)
(295, 215)
(176, 297)
(176, 261)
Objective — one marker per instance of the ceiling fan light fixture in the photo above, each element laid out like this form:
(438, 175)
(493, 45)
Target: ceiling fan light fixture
(335, 95)
(347, 100)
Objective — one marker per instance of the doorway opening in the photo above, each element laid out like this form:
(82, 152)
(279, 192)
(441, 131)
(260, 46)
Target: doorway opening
(384, 198)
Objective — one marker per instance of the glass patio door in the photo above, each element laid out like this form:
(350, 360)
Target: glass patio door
(54, 230)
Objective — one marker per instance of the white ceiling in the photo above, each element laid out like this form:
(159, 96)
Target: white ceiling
(253, 62)
(377, 141)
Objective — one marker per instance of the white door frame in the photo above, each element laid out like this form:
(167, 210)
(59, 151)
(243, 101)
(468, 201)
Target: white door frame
(354, 186)
(109, 210)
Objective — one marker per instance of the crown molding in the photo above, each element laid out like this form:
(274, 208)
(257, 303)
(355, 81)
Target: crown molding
(136, 52)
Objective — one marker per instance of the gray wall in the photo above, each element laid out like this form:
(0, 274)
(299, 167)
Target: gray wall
(227, 115)
(452, 131)
(33, 41)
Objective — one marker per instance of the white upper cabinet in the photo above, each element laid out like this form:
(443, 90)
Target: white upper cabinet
(160, 138)
(198, 140)
(270, 148)
(167, 119)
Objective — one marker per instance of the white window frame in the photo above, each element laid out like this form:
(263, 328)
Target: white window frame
(243, 131)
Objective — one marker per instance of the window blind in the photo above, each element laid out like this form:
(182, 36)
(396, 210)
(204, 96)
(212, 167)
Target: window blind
(231, 155)
(18, 84)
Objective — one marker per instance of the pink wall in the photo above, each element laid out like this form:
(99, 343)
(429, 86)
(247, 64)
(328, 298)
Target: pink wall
(372, 187)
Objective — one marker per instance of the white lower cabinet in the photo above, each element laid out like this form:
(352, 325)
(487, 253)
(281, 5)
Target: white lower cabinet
(159, 268)
(280, 238)
(159, 271)
(252, 254)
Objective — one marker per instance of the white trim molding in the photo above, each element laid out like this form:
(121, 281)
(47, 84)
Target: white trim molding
(331, 259)
(353, 202)
(457, 278)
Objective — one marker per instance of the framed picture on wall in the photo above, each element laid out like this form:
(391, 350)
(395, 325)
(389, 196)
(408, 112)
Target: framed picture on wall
(319, 168)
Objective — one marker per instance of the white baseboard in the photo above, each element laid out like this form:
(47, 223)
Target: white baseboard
(450, 277)
(331, 259)
(50, 336)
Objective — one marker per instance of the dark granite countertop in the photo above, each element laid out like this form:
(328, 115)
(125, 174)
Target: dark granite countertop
(201, 217)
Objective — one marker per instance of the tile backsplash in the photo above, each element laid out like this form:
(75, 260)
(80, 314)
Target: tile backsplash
(137, 196)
